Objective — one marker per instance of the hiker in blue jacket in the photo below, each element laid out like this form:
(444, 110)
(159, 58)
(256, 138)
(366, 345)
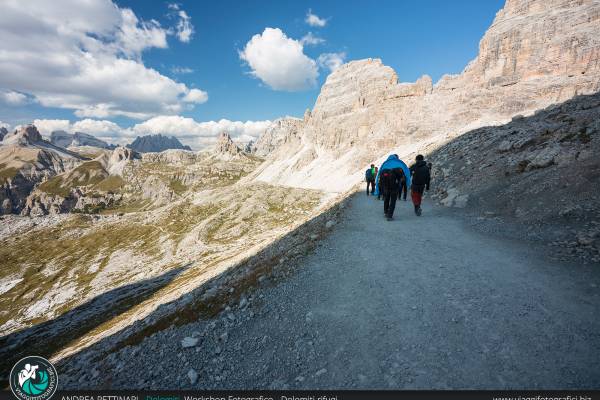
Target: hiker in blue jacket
(392, 162)
(390, 181)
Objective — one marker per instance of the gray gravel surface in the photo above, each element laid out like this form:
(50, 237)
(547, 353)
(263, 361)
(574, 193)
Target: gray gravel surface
(414, 303)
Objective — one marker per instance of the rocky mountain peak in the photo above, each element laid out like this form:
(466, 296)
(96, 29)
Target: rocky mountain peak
(156, 143)
(24, 135)
(226, 145)
(3, 132)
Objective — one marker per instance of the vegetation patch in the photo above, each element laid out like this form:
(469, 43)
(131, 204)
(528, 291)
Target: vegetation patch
(177, 186)
(110, 184)
(54, 186)
(7, 174)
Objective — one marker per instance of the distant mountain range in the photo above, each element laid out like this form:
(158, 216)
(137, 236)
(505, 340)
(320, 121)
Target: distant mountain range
(156, 143)
(65, 139)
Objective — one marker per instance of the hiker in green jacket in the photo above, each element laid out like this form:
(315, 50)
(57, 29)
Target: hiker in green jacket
(370, 175)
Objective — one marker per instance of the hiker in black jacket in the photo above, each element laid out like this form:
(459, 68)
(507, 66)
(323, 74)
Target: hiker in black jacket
(420, 181)
(390, 180)
(403, 189)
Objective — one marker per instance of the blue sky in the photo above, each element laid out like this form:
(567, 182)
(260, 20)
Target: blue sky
(415, 38)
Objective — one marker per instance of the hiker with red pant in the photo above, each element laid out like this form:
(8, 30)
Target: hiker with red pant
(421, 178)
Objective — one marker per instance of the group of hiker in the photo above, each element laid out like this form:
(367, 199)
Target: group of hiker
(393, 179)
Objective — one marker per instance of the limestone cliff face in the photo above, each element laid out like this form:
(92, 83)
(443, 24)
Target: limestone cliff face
(536, 53)
(281, 132)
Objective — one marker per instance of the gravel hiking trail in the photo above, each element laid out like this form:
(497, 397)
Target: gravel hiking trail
(415, 303)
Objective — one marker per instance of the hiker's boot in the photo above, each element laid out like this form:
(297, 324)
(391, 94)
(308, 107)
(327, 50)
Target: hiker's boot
(389, 218)
(418, 211)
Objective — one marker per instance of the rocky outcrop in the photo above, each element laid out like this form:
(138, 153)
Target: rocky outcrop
(535, 54)
(248, 146)
(114, 162)
(226, 148)
(156, 143)
(539, 171)
(282, 131)
(3, 132)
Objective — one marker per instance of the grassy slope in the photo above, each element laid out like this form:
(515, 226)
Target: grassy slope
(79, 249)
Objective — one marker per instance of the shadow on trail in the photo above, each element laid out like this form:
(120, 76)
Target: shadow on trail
(45, 338)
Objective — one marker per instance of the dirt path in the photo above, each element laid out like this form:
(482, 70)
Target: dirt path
(414, 303)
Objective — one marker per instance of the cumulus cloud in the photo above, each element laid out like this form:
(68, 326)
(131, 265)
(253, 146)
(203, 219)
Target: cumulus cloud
(310, 40)
(93, 65)
(96, 127)
(47, 126)
(314, 20)
(13, 98)
(101, 128)
(332, 61)
(196, 96)
(280, 61)
(200, 134)
(4, 125)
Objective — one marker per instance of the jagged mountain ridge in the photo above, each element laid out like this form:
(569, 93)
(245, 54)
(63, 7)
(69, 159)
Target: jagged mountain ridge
(156, 143)
(536, 53)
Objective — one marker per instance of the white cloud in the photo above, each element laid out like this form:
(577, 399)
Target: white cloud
(85, 56)
(314, 20)
(200, 134)
(102, 129)
(47, 126)
(331, 60)
(4, 125)
(181, 70)
(97, 127)
(135, 36)
(184, 28)
(13, 98)
(196, 96)
(280, 61)
(311, 40)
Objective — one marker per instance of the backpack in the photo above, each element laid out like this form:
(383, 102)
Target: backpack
(388, 178)
(369, 175)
